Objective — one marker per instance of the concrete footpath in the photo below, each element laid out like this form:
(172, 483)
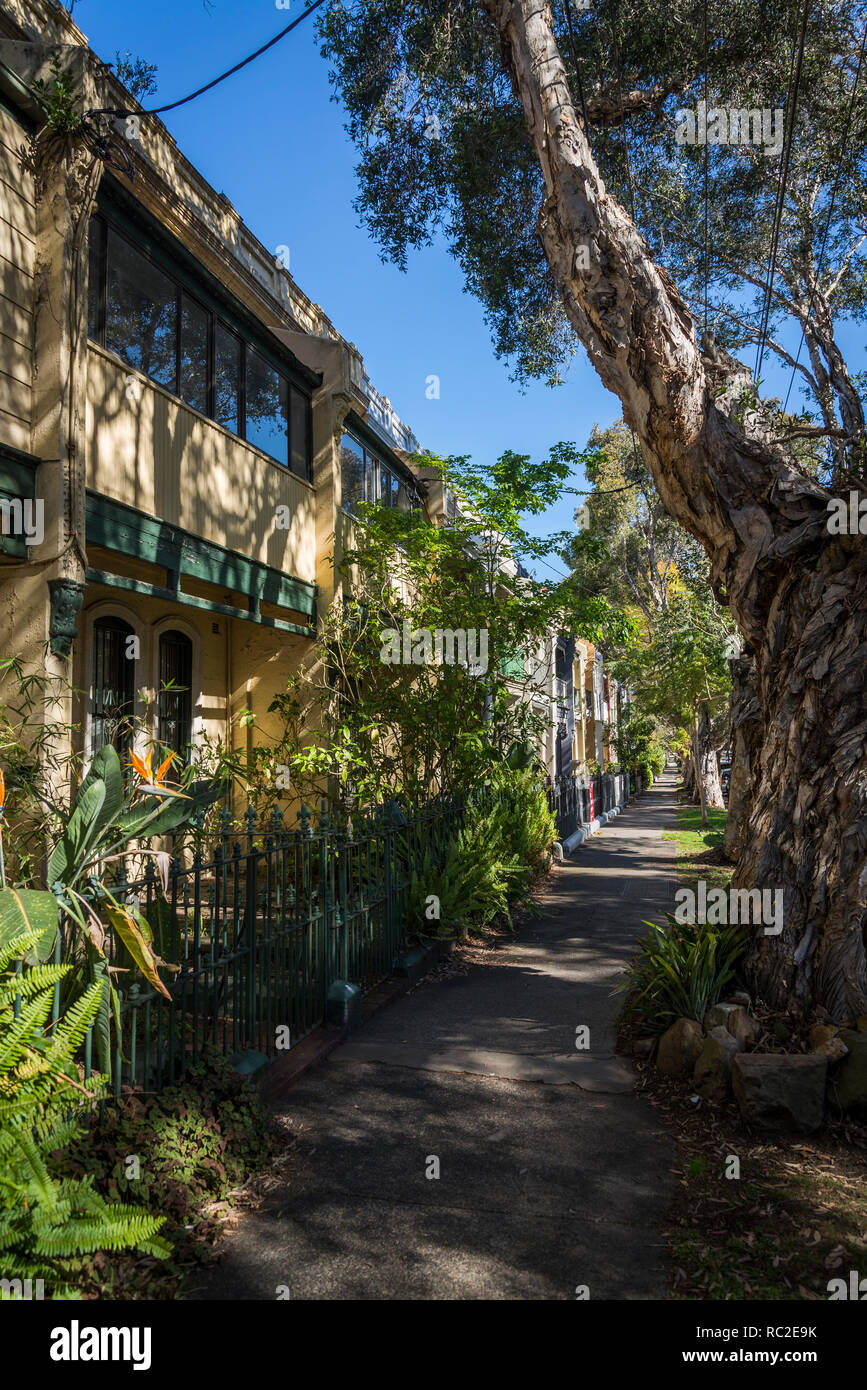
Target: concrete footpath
(551, 1174)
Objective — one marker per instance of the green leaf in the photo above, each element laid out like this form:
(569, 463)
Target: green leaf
(29, 910)
(106, 768)
(102, 1022)
(72, 850)
(167, 815)
(135, 932)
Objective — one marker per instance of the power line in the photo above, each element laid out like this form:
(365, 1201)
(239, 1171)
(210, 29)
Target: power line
(172, 106)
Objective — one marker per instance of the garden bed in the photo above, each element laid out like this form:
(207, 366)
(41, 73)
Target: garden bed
(794, 1219)
(204, 1149)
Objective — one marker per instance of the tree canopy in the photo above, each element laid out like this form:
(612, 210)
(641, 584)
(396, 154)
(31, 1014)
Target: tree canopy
(443, 148)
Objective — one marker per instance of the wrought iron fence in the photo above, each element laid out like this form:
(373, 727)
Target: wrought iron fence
(576, 803)
(259, 927)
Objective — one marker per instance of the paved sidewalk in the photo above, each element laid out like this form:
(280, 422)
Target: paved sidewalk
(552, 1175)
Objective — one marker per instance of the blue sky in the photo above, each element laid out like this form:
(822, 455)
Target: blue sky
(272, 140)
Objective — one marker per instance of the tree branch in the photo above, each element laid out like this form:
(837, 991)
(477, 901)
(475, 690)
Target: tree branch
(609, 107)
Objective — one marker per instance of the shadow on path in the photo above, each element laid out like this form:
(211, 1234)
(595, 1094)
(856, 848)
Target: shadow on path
(542, 1187)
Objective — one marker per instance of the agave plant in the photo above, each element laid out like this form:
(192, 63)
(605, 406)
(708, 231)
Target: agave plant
(681, 971)
(108, 814)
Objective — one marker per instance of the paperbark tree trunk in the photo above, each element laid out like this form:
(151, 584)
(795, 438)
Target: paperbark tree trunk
(707, 765)
(688, 773)
(696, 770)
(797, 593)
(746, 740)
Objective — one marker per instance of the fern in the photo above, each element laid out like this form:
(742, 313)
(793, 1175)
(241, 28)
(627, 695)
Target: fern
(490, 865)
(46, 1223)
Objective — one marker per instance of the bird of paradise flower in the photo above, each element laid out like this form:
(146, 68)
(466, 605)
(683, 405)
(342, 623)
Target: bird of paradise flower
(155, 781)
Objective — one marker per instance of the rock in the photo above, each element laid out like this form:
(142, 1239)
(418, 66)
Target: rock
(642, 1047)
(833, 1048)
(679, 1047)
(861, 1023)
(780, 1091)
(713, 1070)
(735, 1018)
(850, 1083)
(741, 997)
(717, 1015)
(821, 1033)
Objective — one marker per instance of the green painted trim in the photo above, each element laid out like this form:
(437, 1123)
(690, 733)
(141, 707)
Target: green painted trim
(116, 526)
(17, 479)
(117, 205)
(137, 586)
(14, 547)
(17, 472)
(18, 101)
(513, 669)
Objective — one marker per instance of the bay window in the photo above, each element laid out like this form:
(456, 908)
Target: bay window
(365, 478)
(227, 378)
(157, 325)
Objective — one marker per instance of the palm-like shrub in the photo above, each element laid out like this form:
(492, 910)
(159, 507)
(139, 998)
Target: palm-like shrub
(491, 863)
(529, 827)
(110, 813)
(681, 971)
(472, 884)
(47, 1221)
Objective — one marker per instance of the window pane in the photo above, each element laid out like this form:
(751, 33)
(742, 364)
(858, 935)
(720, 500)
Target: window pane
(140, 313)
(387, 487)
(227, 379)
(300, 437)
(113, 686)
(351, 471)
(194, 354)
(267, 408)
(95, 243)
(175, 728)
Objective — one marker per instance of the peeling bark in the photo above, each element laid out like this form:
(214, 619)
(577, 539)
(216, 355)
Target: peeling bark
(746, 740)
(707, 765)
(687, 772)
(798, 594)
